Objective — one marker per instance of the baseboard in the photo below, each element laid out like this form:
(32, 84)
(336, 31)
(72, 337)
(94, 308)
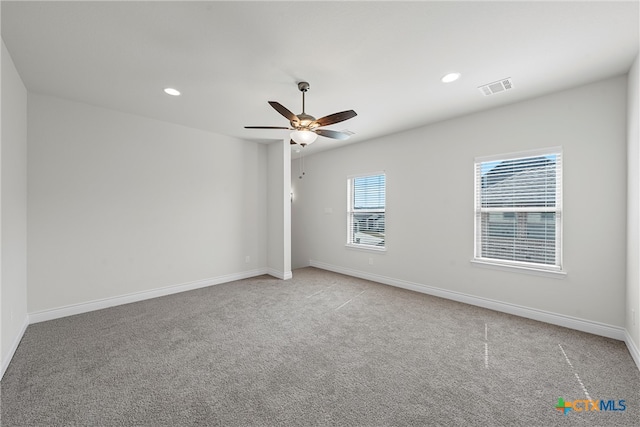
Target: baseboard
(14, 346)
(284, 275)
(70, 310)
(633, 349)
(583, 325)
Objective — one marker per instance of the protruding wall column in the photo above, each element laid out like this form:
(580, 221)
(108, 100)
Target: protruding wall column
(279, 210)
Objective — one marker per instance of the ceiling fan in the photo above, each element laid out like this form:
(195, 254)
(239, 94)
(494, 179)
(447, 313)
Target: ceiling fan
(306, 128)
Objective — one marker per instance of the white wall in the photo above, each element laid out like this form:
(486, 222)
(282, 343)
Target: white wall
(430, 202)
(13, 179)
(120, 204)
(2, 351)
(279, 210)
(300, 205)
(633, 216)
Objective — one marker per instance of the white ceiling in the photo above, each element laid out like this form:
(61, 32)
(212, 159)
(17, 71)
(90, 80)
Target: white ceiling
(382, 59)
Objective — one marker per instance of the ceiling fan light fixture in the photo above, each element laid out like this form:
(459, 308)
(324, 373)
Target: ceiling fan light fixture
(303, 137)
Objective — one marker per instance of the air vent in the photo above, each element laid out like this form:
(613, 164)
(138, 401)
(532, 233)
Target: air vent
(496, 87)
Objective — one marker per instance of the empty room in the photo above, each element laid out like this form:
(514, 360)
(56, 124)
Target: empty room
(299, 213)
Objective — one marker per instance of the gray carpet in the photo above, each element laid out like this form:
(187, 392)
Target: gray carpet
(320, 349)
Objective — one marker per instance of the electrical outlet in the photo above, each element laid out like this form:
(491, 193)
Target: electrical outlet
(247, 259)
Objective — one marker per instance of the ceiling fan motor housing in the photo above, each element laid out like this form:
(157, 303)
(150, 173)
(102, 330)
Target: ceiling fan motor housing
(305, 122)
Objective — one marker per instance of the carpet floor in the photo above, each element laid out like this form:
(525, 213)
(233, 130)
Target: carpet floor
(320, 349)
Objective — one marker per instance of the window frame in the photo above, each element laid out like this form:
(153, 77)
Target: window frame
(556, 269)
(351, 211)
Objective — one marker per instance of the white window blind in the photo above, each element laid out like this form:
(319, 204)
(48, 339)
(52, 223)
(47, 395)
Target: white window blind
(366, 210)
(518, 210)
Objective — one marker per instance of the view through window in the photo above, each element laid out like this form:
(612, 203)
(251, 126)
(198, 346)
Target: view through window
(518, 207)
(366, 211)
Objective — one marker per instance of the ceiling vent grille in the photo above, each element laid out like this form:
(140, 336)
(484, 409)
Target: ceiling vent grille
(496, 87)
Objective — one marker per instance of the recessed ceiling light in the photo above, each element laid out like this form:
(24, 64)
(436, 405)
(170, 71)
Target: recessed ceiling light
(451, 77)
(171, 91)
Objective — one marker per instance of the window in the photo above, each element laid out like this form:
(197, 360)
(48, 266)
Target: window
(518, 209)
(366, 211)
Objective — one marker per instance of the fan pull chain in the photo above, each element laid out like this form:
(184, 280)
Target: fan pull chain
(301, 163)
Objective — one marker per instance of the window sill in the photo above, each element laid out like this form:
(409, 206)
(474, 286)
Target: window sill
(519, 269)
(365, 248)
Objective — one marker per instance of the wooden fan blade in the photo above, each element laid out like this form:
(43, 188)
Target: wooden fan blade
(266, 127)
(335, 118)
(332, 134)
(283, 110)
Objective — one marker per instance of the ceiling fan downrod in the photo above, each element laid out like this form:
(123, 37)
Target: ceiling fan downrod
(303, 87)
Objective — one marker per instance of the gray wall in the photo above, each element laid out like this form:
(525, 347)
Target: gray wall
(430, 202)
(120, 204)
(633, 219)
(13, 232)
